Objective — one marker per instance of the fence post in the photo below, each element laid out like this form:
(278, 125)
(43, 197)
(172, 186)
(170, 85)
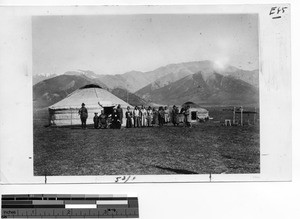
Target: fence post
(254, 115)
(233, 120)
(241, 116)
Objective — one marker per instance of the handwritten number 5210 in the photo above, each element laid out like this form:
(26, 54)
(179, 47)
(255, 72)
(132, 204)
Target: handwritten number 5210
(124, 179)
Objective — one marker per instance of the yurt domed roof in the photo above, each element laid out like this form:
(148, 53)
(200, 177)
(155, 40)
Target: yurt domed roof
(90, 95)
(194, 106)
(191, 104)
(90, 86)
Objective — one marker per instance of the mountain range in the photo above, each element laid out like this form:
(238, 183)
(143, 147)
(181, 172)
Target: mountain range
(38, 78)
(216, 89)
(50, 91)
(201, 82)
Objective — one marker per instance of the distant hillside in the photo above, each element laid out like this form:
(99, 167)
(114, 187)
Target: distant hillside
(251, 77)
(130, 81)
(136, 80)
(131, 98)
(38, 78)
(55, 89)
(174, 83)
(170, 73)
(215, 89)
(50, 91)
(206, 67)
(87, 73)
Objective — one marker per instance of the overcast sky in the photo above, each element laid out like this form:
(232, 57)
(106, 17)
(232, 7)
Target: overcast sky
(117, 44)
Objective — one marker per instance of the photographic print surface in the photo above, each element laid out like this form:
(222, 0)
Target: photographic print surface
(153, 94)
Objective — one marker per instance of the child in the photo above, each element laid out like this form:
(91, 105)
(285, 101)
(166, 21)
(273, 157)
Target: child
(96, 121)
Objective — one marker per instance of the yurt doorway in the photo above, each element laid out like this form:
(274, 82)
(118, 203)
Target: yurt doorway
(194, 115)
(108, 110)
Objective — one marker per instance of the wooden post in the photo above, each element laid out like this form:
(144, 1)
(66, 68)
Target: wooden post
(233, 120)
(50, 117)
(127, 92)
(254, 115)
(241, 116)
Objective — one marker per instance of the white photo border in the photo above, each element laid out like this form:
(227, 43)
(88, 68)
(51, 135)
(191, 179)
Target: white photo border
(16, 142)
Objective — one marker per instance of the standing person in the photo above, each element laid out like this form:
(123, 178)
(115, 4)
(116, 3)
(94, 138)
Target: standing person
(167, 119)
(96, 121)
(114, 118)
(83, 112)
(128, 115)
(143, 116)
(174, 115)
(115, 123)
(188, 116)
(177, 115)
(120, 113)
(135, 117)
(140, 117)
(149, 116)
(161, 116)
(155, 116)
(182, 110)
(182, 115)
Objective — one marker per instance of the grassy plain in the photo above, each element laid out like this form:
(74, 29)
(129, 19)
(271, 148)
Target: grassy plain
(204, 148)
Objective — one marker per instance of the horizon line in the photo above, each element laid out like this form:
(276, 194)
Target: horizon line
(45, 74)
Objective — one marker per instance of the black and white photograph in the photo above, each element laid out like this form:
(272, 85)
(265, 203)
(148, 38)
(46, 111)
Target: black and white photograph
(149, 109)
(145, 94)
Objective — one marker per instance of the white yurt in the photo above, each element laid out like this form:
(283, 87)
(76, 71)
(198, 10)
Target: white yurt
(65, 112)
(197, 113)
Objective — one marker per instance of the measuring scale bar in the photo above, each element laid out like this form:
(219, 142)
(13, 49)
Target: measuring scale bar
(66, 206)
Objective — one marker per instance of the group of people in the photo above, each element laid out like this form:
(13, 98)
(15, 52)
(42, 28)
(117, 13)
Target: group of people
(148, 116)
(138, 117)
(143, 116)
(113, 120)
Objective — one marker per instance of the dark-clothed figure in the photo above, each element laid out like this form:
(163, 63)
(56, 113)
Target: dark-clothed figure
(155, 116)
(115, 120)
(182, 110)
(120, 114)
(175, 113)
(161, 116)
(83, 112)
(102, 120)
(96, 121)
(128, 115)
(140, 117)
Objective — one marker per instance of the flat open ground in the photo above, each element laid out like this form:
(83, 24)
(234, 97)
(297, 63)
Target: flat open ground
(204, 148)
